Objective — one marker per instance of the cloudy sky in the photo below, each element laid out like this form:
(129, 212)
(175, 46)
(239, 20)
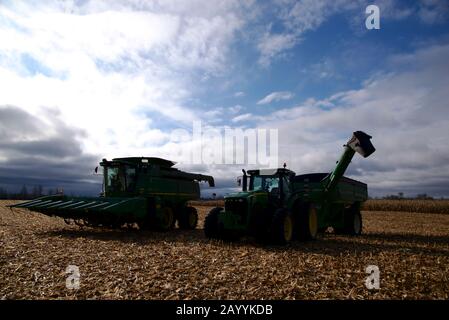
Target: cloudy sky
(85, 80)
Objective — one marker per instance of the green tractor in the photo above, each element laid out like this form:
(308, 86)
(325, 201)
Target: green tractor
(278, 206)
(146, 191)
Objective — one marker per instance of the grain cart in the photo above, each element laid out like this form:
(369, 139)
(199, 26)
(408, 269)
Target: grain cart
(146, 191)
(279, 206)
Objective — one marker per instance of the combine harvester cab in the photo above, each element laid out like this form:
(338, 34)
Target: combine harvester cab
(278, 206)
(146, 191)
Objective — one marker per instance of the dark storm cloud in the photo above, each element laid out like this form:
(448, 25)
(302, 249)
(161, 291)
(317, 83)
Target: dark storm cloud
(33, 152)
(52, 147)
(364, 167)
(10, 119)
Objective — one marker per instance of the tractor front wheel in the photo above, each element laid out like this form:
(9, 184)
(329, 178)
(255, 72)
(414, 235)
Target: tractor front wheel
(282, 227)
(188, 219)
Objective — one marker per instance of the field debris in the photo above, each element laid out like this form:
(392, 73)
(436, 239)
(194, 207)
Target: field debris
(410, 249)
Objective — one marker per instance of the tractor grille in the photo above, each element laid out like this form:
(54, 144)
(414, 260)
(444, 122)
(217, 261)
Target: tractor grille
(237, 206)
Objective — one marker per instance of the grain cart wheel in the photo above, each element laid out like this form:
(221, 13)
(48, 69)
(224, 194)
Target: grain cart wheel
(353, 222)
(282, 227)
(167, 219)
(188, 220)
(307, 226)
(211, 228)
(357, 224)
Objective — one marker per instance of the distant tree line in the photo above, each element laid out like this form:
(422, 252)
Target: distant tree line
(400, 196)
(25, 194)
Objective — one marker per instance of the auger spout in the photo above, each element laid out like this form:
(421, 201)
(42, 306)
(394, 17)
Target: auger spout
(360, 143)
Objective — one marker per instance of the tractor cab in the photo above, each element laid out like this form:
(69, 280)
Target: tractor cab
(274, 182)
(263, 190)
(121, 174)
(119, 178)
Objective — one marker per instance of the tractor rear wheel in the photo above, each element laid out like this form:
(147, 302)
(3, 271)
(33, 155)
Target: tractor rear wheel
(282, 227)
(211, 227)
(307, 226)
(188, 219)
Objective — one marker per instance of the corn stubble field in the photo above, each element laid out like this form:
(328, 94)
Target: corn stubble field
(411, 250)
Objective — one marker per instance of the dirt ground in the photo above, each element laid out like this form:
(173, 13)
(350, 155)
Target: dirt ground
(410, 249)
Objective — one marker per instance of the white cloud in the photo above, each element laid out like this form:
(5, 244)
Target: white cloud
(239, 94)
(213, 114)
(271, 45)
(111, 69)
(235, 109)
(297, 17)
(242, 117)
(276, 96)
(307, 14)
(323, 70)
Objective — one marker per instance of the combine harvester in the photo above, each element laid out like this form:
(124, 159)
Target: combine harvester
(278, 206)
(146, 191)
